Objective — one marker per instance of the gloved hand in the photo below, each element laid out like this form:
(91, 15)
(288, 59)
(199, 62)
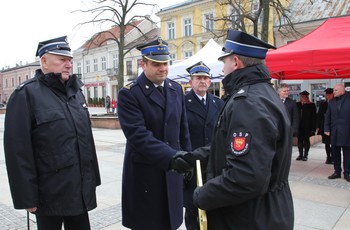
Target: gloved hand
(179, 163)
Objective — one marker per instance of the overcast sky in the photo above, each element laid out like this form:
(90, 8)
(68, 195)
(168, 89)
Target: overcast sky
(24, 23)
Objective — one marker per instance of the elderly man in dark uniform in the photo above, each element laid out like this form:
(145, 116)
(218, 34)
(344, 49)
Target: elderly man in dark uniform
(307, 124)
(153, 118)
(202, 110)
(49, 148)
(247, 182)
(337, 126)
(320, 124)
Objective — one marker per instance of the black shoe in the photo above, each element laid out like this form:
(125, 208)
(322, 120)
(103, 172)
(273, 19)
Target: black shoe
(304, 158)
(299, 158)
(329, 162)
(334, 176)
(347, 177)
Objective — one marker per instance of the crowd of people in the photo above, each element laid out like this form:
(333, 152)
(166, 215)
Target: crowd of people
(243, 142)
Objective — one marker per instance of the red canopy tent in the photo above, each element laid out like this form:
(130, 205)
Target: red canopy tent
(322, 54)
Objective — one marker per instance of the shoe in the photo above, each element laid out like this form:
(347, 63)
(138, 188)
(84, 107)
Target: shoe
(347, 177)
(328, 162)
(299, 158)
(304, 158)
(334, 176)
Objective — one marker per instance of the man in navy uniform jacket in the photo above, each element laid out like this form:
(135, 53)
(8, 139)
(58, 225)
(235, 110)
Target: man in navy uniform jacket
(202, 110)
(153, 117)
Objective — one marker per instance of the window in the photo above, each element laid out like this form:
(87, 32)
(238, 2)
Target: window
(128, 67)
(188, 54)
(172, 58)
(13, 82)
(6, 83)
(209, 22)
(19, 80)
(95, 92)
(27, 77)
(171, 30)
(95, 65)
(187, 27)
(235, 18)
(104, 63)
(79, 67)
(115, 61)
(87, 62)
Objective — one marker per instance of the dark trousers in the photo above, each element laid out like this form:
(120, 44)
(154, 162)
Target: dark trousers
(80, 222)
(303, 145)
(191, 218)
(336, 151)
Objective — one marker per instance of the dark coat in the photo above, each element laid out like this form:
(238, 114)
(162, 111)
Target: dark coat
(292, 109)
(201, 122)
(307, 119)
(49, 147)
(155, 128)
(338, 123)
(320, 122)
(249, 162)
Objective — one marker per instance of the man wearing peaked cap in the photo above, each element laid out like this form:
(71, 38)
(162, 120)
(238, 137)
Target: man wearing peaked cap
(153, 118)
(202, 110)
(250, 154)
(53, 172)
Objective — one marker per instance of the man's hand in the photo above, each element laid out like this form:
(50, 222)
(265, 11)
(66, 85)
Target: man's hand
(31, 209)
(327, 133)
(179, 163)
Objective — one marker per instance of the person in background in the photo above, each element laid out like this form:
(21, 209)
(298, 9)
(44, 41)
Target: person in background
(291, 106)
(250, 156)
(202, 110)
(320, 124)
(337, 126)
(108, 104)
(49, 148)
(307, 124)
(114, 106)
(152, 115)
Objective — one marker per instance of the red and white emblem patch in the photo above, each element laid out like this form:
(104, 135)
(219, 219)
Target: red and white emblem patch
(240, 143)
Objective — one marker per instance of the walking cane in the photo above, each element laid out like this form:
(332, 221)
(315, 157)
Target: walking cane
(28, 224)
(202, 215)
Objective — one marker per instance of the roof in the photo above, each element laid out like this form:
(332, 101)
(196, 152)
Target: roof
(306, 10)
(149, 36)
(101, 38)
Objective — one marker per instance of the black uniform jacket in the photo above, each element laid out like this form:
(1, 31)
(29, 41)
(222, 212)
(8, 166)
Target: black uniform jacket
(201, 123)
(337, 120)
(49, 148)
(155, 128)
(320, 121)
(292, 110)
(249, 162)
(307, 119)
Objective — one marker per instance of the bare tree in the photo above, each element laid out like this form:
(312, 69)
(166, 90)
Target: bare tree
(120, 14)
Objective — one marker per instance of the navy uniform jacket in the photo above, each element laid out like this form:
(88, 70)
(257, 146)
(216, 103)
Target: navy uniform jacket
(247, 185)
(155, 129)
(201, 122)
(307, 119)
(338, 122)
(320, 121)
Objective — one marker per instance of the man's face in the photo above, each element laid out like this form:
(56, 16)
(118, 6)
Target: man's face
(156, 72)
(338, 91)
(329, 96)
(283, 92)
(230, 64)
(52, 63)
(200, 84)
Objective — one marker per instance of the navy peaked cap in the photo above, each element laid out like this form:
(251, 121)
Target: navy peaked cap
(58, 46)
(305, 93)
(199, 69)
(156, 50)
(241, 43)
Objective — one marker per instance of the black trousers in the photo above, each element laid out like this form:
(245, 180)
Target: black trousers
(80, 222)
(336, 150)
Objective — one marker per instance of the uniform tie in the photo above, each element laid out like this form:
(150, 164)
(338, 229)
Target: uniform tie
(160, 89)
(203, 101)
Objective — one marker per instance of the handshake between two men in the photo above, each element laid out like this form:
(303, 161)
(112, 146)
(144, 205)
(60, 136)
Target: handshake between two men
(184, 162)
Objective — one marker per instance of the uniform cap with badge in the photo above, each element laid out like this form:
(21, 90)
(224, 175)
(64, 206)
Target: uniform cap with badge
(156, 51)
(328, 91)
(58, 46)
(199, 69)
(304, 93)
(241, 43)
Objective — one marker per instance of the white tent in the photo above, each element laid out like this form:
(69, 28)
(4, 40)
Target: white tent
(208, 54)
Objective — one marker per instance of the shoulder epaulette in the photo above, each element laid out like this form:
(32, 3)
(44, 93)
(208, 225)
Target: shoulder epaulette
(242, 92)
(20, 86)
(130, 85)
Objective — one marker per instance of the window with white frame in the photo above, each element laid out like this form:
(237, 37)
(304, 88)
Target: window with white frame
(209, 22)
(19, 80)
(128, 67)
(79, 67)
(172, 58)
(171, 30)
(187, 27)
(234, 19)
(115, 61)
(27, 77)
(103, 63)
(95, 65)
(188, 54)
(87, 64)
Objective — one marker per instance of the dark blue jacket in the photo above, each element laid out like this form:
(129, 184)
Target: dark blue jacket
(201, 122)
(338, 122)
(155, 128)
